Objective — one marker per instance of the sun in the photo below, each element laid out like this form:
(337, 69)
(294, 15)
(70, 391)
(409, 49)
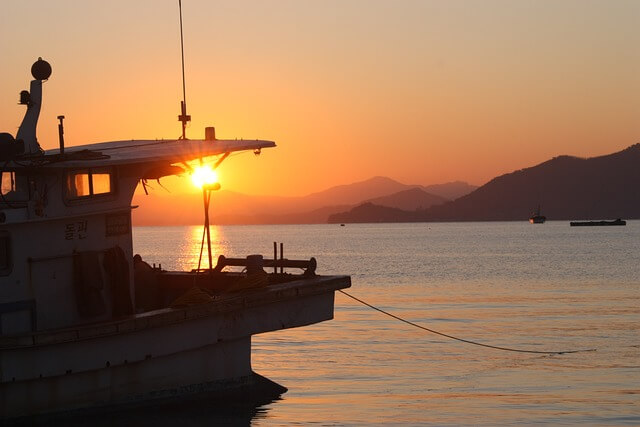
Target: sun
(204, 175)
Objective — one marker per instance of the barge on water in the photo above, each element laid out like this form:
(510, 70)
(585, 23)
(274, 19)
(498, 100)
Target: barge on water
(85, 325)
(597, 223)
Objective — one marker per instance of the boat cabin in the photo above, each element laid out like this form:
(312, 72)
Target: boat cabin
(66, 251)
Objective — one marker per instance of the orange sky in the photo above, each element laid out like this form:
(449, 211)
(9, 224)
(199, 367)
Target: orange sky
(421, 91)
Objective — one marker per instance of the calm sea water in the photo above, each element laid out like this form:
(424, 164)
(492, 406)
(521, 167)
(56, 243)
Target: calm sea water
(536, 287)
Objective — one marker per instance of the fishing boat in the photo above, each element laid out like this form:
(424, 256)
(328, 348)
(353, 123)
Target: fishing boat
(537, 218)
(84, 323)
(618, 221)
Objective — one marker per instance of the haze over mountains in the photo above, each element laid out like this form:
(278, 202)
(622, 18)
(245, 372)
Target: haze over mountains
(566, 187)
(409, 200)
(234, 208)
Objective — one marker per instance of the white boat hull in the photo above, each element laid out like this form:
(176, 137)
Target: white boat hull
(157, 355)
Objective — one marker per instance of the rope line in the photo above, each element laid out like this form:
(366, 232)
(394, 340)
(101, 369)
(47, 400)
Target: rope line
(461, 339)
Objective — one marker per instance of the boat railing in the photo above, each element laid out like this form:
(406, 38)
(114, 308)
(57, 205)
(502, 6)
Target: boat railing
(309, 266)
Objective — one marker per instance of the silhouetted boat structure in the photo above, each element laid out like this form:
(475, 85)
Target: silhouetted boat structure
(86, 324)
(536, 218)
(597, 223)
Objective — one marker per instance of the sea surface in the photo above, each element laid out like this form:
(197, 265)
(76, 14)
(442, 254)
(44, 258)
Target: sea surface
(548, 287)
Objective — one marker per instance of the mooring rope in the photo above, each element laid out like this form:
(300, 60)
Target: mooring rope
(495, 347)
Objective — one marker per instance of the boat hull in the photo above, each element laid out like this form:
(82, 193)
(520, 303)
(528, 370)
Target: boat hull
(166, 353)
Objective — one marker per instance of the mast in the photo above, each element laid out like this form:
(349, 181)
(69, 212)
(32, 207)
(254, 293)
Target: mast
(183, 117)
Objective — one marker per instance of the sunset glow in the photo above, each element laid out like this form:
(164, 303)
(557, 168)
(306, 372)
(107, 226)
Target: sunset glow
(204, 175)
(423, 92)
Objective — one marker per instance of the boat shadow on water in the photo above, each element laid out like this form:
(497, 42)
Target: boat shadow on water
(215, 407)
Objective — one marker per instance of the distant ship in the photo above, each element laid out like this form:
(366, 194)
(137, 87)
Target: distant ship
(597, 223)
(536, 218)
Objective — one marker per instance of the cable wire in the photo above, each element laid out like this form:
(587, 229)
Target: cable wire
(461, 339)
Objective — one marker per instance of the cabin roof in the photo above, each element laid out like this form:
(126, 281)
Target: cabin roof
(147, 151)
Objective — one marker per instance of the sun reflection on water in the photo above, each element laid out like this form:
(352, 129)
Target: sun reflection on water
(196, 242)
(178, 248)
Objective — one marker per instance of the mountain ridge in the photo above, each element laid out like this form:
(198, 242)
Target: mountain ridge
(566, 187)
(409, 200)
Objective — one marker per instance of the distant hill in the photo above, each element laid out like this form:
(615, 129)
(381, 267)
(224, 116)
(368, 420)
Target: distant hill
(565, 187)
(317, 216)
(368, 212)
(227, 207)
(450, 190)
(409, 200)
(356, 193)
(379, 186)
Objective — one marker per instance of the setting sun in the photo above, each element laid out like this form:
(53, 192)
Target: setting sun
(204, 175)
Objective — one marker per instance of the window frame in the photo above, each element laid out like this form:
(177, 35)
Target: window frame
(90, 171)
(22, 190)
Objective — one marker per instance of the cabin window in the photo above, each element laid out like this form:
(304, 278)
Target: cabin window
(14, 187)
(5, 253)
(101, 183)
(79, 184)
(89, 182)
(8, 182)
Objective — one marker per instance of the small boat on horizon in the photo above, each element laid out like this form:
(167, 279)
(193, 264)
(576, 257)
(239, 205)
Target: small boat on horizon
(617, 221)
(537, 218)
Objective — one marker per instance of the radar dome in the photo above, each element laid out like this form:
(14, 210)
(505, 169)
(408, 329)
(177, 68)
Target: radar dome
(41, 70)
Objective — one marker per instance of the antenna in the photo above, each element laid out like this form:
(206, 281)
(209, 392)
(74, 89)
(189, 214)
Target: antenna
(183, 117)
